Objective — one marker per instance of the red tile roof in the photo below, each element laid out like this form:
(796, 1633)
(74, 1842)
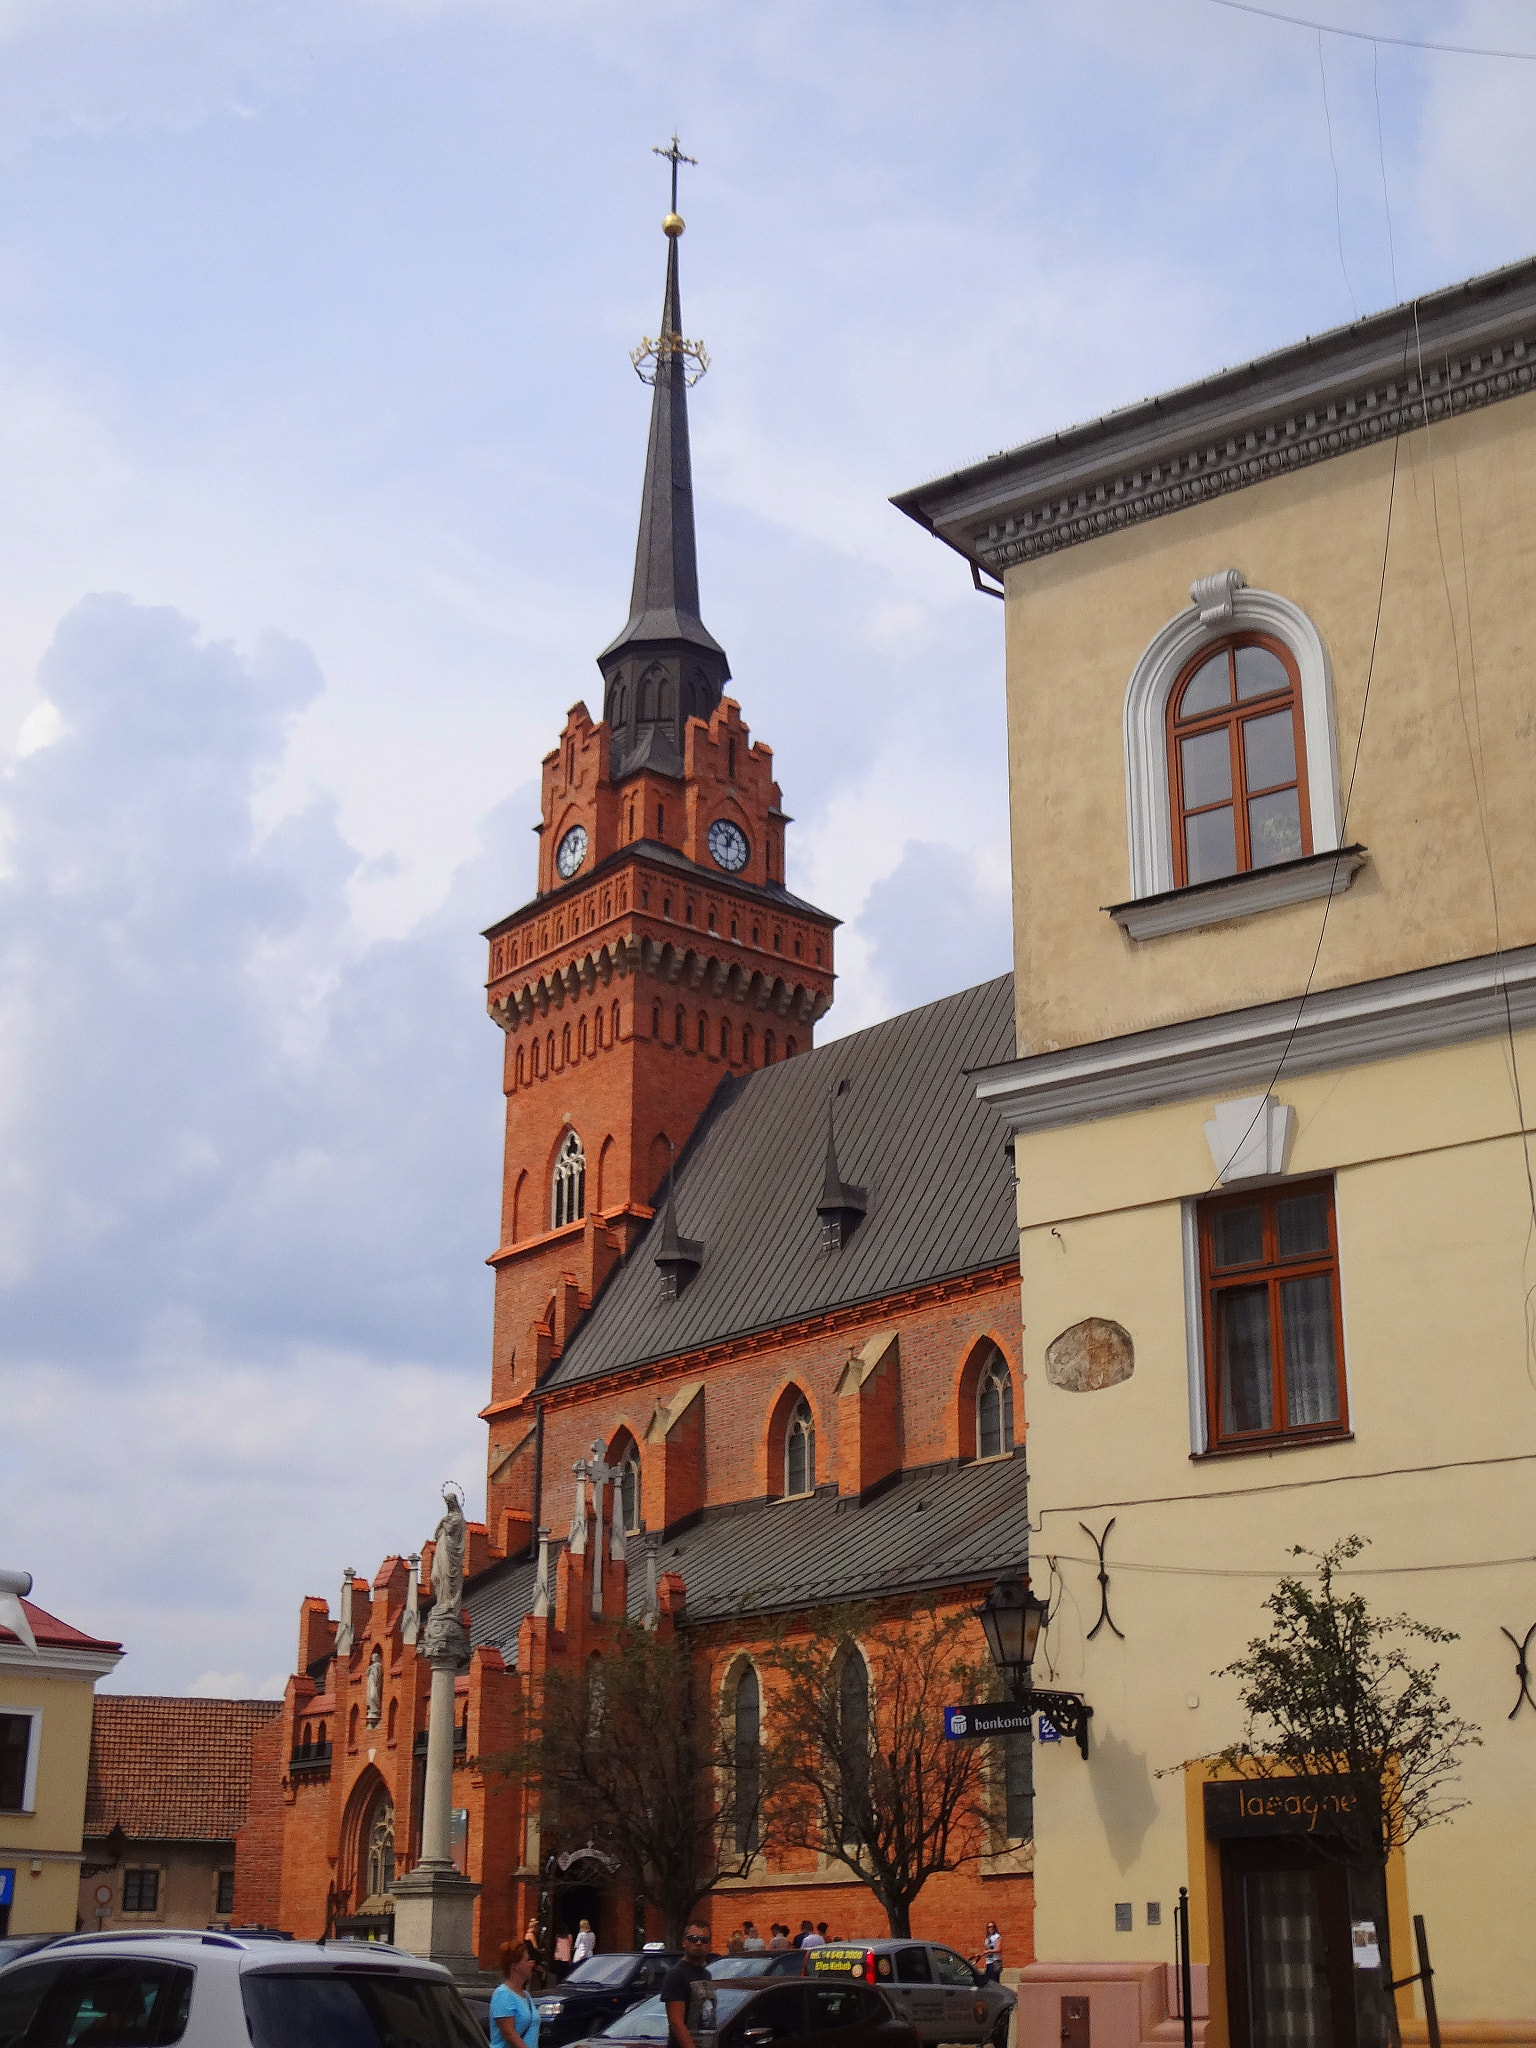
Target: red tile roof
(49, 1629)
(172, 1769)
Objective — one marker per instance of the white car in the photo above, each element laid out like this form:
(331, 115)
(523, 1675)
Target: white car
(209, 1990)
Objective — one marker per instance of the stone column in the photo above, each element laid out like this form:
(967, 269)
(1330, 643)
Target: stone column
(435, 1909)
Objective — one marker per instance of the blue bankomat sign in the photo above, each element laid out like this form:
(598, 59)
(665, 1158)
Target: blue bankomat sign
(7, 1886)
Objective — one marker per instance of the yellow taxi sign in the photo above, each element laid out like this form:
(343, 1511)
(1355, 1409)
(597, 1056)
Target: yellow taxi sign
(832, 1959)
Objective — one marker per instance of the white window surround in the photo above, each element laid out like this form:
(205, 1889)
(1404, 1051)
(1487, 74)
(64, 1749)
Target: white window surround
(34, 1749)
(1222, 604)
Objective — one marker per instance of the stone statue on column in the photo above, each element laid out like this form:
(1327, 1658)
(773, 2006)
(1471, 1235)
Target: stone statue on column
(375, 1687)
(435, 1904)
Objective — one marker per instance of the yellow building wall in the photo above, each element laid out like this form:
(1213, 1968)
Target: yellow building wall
(1078, 622)
(1434, 1226)
(46, 1897)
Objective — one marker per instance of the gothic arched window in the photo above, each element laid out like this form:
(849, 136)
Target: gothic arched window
(568, 1200)
(703, 1029)
(853, 1741)
(615, 1020)
(390, 1731)
(679, 1026)
(655, 1020)
(520, 1066)
(994, 1409)
(746, 1045)
(629, 1491)
(747, 1756)
(725, 1038)
(381, 1847)
(768, 1048)
(800, 1451)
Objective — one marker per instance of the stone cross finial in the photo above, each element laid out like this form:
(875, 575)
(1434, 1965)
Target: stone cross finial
(577, 1541)
(602, 1474)
(410, 1626)
(541, 1580)
(344, 1635)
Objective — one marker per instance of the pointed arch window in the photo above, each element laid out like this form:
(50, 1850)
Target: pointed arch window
(853, 1741)
(381, 1847)
(629, 1491)
(747, 1756)
(994, 1408)
(800, 1451)
(568, 1198)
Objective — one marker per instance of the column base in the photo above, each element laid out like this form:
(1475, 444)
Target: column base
(435, 1918)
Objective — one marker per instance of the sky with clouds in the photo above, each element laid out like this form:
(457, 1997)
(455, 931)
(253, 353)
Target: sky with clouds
(319, 463)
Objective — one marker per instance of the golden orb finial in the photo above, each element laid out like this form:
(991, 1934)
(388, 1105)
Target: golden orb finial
(673, 226)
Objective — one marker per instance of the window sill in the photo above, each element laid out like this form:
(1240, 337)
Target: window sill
(1272, 1443)
(1208, 903)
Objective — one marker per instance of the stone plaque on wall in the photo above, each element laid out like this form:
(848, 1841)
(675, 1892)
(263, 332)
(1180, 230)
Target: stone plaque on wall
(1092, 1354)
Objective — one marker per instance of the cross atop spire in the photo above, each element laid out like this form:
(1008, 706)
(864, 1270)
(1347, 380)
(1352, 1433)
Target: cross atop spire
(665, 667)
(675, 157)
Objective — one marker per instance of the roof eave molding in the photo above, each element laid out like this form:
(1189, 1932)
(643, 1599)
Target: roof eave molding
(1304, 404)
(61, 1660)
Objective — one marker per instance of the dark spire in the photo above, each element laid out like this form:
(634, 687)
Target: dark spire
(841, 1204)
(665, 666)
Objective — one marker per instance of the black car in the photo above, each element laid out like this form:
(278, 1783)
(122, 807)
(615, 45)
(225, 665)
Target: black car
(743, 2014)
(597, 1991)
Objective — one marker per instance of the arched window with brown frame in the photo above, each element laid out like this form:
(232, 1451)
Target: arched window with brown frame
(1237, 762)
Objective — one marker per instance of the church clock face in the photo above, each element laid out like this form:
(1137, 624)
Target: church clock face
(728, 847)
(572, 851)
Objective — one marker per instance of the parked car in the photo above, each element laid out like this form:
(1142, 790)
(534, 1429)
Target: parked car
(787, 1963)
(748, 2013)
(599, 1990)
(202, 1990)
(14, 1946)
(938, 1992)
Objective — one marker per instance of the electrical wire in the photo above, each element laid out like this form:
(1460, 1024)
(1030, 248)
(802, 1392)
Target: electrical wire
(1173, 1500)
(1363, 35)
(1479, 771)
(1381, 154)
(1338, 214)
(1349, 796)
(1363, 1571)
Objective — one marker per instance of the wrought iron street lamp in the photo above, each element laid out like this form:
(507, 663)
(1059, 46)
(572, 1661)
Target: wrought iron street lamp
(1011, 1618)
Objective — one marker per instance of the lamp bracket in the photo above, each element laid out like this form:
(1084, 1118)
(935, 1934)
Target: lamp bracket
(1068, 1712)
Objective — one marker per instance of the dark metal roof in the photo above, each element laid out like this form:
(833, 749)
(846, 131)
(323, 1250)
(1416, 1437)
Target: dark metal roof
(942, 1525)
(909, 1131)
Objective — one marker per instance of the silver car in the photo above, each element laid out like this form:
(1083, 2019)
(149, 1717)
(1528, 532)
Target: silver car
(934, 1990)
(206, 1990)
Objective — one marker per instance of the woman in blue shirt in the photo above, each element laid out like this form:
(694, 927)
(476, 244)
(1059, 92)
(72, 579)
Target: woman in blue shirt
(514, 2016)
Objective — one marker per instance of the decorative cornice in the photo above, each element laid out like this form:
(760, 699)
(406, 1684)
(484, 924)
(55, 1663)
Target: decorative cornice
(673, 964)
(1208, 903)
(56, 1660)
(1338, 1027)
(1303, 405)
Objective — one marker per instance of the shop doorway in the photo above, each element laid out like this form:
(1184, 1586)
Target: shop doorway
(1290, 1969)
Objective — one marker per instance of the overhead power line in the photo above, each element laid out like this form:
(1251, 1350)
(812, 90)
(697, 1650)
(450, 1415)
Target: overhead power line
(1364, 35)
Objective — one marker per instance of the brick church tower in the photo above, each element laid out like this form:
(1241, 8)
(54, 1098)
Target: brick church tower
(661, 956)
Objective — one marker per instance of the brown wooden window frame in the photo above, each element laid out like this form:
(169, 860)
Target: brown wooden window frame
(1271, 1270)
(1233, 715)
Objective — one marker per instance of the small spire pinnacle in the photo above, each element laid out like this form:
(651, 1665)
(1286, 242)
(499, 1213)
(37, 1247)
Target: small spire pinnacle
(677, 1258)
(841, 1204)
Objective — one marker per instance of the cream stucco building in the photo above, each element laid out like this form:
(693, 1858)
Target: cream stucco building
(1271, 674)
(48, 1674)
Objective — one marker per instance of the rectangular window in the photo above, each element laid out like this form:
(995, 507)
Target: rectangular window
(141, 1891)
(15, 1750)
(225, 1902)
(1271, 1324)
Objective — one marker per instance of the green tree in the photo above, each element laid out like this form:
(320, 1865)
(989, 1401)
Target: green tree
(631, 1754)
(861, 1769)
(1331, 1693)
